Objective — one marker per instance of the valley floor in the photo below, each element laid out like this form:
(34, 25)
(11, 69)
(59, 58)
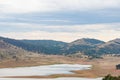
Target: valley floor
(101, 67)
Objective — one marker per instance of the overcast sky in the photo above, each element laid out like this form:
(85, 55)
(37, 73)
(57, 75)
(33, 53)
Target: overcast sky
(63, 20)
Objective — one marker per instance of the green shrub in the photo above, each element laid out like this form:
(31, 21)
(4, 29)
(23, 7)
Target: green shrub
(109, 77)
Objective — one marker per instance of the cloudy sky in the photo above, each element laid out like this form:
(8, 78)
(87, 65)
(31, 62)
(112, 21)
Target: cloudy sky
(63, 20)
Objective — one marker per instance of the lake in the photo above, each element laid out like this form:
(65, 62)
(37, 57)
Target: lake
(44, 71)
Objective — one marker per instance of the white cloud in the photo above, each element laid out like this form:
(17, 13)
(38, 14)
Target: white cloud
(62, 28)
(23, 6)
(64, 33)
(105, 35)
(26, 6)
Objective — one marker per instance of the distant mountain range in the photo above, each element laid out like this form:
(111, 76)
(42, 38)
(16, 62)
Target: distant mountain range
(86, 46)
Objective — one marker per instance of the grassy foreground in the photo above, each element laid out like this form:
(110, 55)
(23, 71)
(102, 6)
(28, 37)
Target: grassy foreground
(101, 67)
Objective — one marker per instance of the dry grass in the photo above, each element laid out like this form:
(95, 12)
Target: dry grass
(101, 67)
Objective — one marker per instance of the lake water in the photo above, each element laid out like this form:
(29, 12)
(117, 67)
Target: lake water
(52, 79)
(44, 71)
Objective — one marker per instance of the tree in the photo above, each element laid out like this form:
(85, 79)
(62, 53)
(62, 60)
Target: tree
(109, 77)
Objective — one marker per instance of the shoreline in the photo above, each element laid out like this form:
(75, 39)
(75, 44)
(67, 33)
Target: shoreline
(101, 67)
(57, 76)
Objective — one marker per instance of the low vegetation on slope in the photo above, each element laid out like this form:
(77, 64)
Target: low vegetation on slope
(87, 46)
(39, 46)
(10, 51)
(109, 77)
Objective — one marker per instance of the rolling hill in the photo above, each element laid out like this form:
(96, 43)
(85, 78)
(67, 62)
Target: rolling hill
(10, 51)
(110, 47)
(87, 46)
(38, 46)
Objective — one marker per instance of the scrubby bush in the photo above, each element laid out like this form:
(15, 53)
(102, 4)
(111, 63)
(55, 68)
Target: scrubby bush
(109, 77)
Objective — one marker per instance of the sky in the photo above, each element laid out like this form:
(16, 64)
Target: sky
(62, 20)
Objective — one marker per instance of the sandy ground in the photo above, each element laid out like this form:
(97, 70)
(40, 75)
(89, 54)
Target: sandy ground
(101, 67)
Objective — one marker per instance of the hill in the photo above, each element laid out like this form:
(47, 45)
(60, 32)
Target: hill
(38, 46)
(86, 46)
(110, 47)
(93, 47)
(46, 46)
(10, 51)
(87, 41)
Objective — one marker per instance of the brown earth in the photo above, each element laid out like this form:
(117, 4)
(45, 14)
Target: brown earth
(101, 67)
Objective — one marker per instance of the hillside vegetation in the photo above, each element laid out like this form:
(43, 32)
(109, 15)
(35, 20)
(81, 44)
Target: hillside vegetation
(109, 77)
(9, 51)
(86, 46)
